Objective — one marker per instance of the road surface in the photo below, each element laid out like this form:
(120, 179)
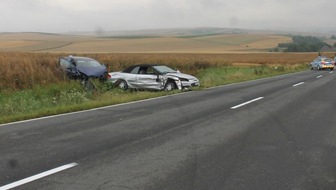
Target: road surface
(275, 133)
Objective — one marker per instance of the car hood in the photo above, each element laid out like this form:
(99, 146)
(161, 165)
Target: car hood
(93, 71)
(182, 75)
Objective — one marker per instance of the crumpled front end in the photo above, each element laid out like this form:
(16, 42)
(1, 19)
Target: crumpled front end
(184, 81)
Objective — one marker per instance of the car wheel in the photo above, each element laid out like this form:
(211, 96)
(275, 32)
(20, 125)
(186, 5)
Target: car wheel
(318, 67)
(122, 84)
(170, 85)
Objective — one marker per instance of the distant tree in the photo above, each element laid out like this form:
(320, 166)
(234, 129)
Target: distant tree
(306, 44)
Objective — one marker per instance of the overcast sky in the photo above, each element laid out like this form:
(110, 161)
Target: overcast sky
(57, 16)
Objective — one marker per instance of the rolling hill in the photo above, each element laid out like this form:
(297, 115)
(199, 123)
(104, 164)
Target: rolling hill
(202, 40)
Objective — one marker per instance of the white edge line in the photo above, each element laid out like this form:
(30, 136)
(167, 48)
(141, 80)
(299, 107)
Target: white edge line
(320, 76)
(243, 104)
(298, 84)
(37, 176)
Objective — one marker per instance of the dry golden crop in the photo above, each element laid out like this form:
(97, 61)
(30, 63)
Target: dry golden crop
(25, 70)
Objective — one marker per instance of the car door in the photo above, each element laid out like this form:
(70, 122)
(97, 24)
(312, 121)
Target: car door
(147, 78)
(131, 77)
(68, 67)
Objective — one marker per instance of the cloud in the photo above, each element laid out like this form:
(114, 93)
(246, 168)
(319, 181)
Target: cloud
(95, 5)
(77, 15)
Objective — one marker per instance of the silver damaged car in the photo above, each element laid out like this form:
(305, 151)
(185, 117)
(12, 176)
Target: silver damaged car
(152, 77)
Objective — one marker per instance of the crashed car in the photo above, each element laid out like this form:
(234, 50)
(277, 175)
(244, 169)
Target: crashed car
(152, 77)
(82, 68)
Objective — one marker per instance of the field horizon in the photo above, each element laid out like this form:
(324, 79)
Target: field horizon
(200, 40)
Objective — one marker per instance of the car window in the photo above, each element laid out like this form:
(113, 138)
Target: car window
(135, 70)
(164, 69)
(87, 63)
(143, 70)
(65, 64)
(150, 70)
(327, 60)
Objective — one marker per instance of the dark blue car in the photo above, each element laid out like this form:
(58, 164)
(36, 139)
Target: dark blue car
(82, 68)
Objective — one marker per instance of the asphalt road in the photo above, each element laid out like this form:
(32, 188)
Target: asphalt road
(276, 133)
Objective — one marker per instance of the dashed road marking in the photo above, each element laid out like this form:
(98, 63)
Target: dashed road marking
(298, 84)
(248, 102)
(37, 176)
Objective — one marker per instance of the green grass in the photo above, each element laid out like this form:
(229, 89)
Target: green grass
(70, 96)
(231, 74)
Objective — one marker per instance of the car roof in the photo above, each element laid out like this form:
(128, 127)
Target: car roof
(77, 58)
(130, 68)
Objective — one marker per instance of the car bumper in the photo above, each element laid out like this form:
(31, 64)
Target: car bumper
(327, 67)
(189, 84)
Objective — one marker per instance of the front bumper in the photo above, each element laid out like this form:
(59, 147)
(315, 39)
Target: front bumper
(189, 84)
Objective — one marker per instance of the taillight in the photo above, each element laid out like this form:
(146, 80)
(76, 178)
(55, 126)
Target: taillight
(108, 76)
(323, 63)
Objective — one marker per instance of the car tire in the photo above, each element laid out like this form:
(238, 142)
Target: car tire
(122, 84)
(170, 85)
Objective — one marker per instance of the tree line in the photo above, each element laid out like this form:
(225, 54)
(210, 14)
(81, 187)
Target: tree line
(304, 44)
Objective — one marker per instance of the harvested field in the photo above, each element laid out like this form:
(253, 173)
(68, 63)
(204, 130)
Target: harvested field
(33, 42)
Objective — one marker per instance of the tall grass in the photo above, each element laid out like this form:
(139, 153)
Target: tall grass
(27, 70)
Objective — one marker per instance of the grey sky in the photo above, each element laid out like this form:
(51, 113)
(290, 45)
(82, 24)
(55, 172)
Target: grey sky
(111, 15)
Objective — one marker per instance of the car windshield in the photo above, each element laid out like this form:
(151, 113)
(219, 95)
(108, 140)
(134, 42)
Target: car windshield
(88, 63)
(327, 60)
(164, 69)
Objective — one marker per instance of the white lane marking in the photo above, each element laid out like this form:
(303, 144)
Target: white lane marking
(298, 84)
(243, 104)
(331, 72)
(320, 76)
(38, 176)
